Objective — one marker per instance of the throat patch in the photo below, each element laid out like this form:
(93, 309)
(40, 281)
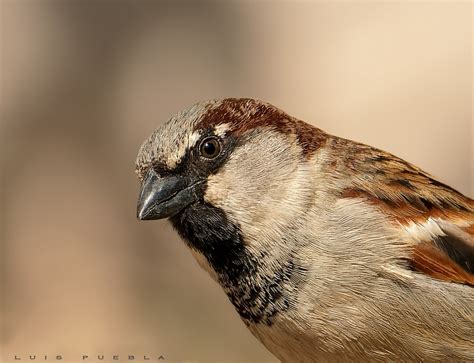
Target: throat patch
(257, 291)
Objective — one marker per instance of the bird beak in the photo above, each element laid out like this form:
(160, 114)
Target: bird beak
(163, 197)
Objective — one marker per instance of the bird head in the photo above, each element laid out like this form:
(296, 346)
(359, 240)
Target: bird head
(234, 177)
(241, 156)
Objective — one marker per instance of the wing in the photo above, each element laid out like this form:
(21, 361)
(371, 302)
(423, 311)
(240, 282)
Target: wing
(446, 252)
(438, 219)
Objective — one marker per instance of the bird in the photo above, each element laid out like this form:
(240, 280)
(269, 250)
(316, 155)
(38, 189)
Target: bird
(329, 250)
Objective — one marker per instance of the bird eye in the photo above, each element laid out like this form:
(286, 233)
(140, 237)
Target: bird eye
(210, 147)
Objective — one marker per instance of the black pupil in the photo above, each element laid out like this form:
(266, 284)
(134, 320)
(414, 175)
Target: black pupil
(209, 148)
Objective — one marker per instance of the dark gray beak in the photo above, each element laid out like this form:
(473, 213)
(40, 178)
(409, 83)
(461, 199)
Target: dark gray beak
(163, 197)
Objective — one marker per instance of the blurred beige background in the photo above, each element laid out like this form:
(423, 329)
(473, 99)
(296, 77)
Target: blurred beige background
(84, 82)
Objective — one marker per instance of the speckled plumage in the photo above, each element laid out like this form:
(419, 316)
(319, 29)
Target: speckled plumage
(329, 249)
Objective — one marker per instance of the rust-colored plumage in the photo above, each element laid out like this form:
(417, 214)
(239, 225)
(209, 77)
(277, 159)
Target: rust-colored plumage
(244, 115)
(431, 260)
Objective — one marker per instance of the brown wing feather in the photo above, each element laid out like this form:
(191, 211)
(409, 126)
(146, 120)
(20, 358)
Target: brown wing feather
(432, 261)
(408, 195)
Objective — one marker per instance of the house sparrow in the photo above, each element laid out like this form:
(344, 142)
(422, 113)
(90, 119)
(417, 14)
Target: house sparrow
(330, 250)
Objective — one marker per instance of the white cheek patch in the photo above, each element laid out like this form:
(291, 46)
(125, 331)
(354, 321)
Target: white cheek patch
(262, 186)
